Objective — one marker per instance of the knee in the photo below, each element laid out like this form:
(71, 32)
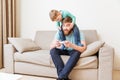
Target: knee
(52, 51)
(77, 53)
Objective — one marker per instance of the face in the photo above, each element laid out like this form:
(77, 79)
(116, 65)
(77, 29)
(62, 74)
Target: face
(67, 28)
(59, 17)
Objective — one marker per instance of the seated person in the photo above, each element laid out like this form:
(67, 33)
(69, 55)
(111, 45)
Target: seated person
(71, 49)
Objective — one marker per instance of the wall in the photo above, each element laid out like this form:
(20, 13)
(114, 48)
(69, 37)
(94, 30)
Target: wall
(102, 15)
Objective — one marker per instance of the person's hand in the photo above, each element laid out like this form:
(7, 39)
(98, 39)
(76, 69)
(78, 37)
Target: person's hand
(67, 44)
(57, 43)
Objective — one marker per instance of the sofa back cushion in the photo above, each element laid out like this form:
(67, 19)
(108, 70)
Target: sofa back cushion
(44, 38)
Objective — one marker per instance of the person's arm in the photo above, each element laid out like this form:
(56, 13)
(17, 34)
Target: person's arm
(56, 41)
(76, 47)
(73, 18)
(67, 13)
(58, 24)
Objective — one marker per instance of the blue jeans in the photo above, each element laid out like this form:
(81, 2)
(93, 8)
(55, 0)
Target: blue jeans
(76, 33)
(63, 70)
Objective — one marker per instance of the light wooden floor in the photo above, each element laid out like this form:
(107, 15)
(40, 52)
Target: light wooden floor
(116, 76)
(35, 78)
(26, 77)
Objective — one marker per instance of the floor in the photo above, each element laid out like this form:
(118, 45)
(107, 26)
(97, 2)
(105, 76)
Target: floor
(116, 76)
(35, 78)
(26, 77)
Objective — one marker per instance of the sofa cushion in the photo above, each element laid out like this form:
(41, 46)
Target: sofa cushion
(92, 48)
(23, 45)
(41, 57)
(90, 62)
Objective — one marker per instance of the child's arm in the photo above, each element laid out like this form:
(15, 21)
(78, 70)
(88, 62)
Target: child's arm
(67, 13)
(73, 18)
(58, 25)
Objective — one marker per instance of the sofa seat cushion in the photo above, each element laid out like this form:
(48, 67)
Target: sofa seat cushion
(90, 62)
(41, 57)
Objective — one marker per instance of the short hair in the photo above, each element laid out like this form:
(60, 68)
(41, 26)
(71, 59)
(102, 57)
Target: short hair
(67, 19)
(53, 14)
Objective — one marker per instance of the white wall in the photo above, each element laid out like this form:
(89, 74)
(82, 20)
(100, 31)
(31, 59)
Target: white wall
(102, 15)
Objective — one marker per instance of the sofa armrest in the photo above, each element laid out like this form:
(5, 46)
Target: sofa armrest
(105, 63)
(9, 58)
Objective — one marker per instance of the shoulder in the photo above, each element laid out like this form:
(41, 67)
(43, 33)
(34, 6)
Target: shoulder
(57, 36)
(57, 33)
(81, 33)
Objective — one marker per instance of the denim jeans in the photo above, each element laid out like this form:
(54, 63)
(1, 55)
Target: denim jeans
(76, 34)
(63, 70)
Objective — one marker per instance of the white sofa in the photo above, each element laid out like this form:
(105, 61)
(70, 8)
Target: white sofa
(95, 67)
